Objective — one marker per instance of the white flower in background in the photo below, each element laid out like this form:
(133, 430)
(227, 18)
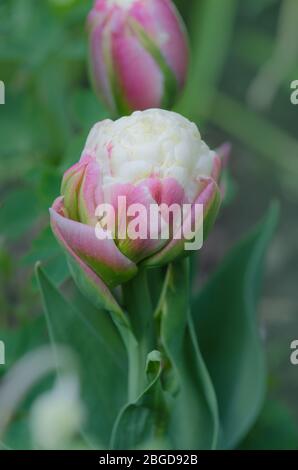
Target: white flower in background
(151, 158)
(138, 53)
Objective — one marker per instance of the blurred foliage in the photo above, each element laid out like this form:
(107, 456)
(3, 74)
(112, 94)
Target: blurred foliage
(275, 429)
(234, 357)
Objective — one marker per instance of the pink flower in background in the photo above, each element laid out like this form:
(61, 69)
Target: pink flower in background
(138, 53)
(152, 157)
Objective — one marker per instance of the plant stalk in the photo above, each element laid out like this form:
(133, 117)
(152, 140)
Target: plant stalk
(138, 305)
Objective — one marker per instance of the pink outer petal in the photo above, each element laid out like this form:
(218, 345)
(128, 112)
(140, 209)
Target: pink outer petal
(139, 76)
(162, 21)
(101, 255)
(94, 288)
(210, 198)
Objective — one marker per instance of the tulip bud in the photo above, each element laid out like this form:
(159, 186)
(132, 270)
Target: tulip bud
(138, 53)
(153, 158)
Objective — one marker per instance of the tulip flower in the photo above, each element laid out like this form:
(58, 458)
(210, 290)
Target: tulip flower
(151, 158)
(138, 53)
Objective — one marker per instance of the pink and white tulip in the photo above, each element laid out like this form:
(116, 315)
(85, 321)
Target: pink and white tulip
(138, 53)
(151, 157)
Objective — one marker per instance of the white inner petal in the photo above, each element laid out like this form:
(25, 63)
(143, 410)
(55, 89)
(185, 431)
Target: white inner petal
(149, 143)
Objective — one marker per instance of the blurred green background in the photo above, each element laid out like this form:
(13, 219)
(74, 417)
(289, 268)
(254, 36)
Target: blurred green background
(244, 58)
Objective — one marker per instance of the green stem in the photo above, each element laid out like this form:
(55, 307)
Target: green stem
(138, 305)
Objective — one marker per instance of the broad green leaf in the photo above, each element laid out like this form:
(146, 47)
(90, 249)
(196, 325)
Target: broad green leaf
(74, 150)
(144, 420)
(194, 419)
(226, 324)
(93, 336)
(87, 109)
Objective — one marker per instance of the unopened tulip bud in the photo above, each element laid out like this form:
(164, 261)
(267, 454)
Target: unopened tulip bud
(138, 53)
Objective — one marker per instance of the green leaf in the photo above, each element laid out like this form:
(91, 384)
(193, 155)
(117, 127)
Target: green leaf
(144, 420)
(19, 341)
(259, 134)
(92, 334)
(94, 289)
(194, 418)
(211, 28)
(225, 321)
(22, 339)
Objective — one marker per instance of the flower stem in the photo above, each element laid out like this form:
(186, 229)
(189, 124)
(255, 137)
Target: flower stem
(138, 305)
